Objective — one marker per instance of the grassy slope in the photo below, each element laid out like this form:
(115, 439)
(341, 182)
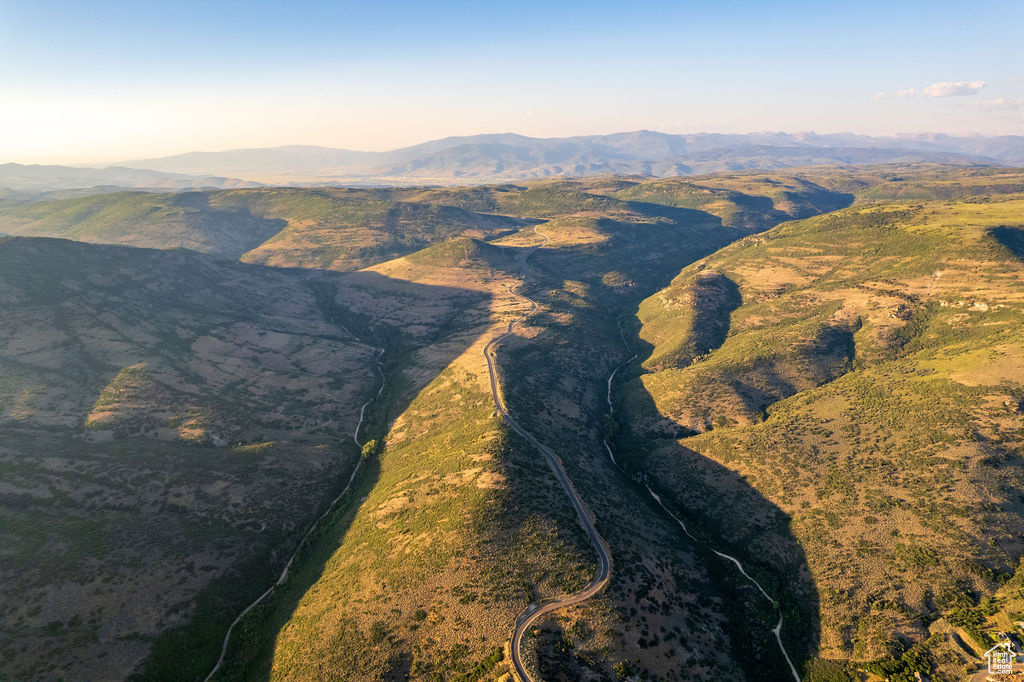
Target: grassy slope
(334, 228)
(169, 422)
(869, 387)
(191, 220)
(435, 325)
(462, 524)
(346, 229)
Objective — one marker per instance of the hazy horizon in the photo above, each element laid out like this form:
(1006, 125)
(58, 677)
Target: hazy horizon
(100, 162)
(108, 82)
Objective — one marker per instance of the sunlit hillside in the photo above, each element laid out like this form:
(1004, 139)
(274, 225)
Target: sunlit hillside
(862, 372)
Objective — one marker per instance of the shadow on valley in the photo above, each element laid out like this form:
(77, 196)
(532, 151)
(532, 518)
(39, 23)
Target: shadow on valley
(556, 387)
(376, 309)
(727, 514)
(228, 231)
(828, 355)
(712, 297)
(1012, 238)
(715, 297)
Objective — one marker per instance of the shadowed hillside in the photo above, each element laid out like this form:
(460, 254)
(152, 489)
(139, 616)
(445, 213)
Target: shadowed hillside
(186, 220)
(868, 387)
(347, 229)
(171, 425)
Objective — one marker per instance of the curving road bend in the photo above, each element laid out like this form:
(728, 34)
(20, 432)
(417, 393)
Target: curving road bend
(604, 566)
(378, 353)
(777, 630)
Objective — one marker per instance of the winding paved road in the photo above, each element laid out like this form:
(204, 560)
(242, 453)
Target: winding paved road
(377, 354)
(604, 564)
(533, 611)
(536, 611)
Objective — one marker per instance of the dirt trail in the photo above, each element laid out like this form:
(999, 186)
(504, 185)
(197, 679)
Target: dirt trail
(777, 630)
(377, 355)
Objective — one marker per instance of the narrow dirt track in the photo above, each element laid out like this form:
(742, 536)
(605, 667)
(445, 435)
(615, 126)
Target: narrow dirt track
(777, 630)
(377, 354)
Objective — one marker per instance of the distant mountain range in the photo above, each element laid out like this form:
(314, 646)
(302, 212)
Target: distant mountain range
(510, 157)
(35, 178)
(490, 158)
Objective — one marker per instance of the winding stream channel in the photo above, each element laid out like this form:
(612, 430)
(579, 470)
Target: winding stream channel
(534, 611)
(378, 353)
(777, 630)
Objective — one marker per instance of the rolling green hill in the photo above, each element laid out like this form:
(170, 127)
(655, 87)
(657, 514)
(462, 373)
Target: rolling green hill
(185, 220)
(347, 229)
(344, 229)
(753, 202)
(332, 228)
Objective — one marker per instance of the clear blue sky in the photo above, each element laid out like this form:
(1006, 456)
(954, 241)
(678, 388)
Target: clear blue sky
(104, 80)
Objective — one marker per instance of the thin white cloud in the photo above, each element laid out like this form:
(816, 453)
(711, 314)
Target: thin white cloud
(909, 92)
(999, 105)
(945, 89)
(957, 89)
